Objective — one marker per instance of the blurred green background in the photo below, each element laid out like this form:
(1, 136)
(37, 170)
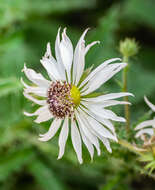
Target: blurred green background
(25, 28)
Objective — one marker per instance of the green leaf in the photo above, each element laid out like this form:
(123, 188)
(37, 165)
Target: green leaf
(138, 76)
(112, 183)
(13, 54)
(105, 33)
(9, 86)
(45, 176)
(146, 157)
(135, 9)
(151, 166)
(14, 161)
(21, 10)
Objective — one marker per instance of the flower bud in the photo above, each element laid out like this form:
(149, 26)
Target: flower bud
(128, 47)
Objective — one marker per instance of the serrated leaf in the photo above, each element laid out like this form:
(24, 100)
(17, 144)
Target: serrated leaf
(146, 157)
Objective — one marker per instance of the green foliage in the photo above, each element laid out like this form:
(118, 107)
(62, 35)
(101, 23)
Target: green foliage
(149, 159)
(14, 161)
(105, 33)
(45, 176)
(25, 28)
(9, 85)
(20, 10)
(142, 9)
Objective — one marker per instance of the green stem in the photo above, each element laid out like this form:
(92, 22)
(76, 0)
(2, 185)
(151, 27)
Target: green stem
(131, 147)
(126, 106)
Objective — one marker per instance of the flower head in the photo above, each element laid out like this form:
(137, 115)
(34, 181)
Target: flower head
(146, 127)
(65, 97)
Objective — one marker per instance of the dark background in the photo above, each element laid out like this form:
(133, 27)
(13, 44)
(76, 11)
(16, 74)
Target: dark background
(25, 28)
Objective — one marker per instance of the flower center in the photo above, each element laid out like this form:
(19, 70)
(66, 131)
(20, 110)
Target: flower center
(62, 99)
(75, 95)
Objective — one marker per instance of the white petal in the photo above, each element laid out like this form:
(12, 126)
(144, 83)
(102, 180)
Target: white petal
(63, 138)
(113, 103)
(43, 116)
(24, 84)
(51, 69)
(94, 112)
(50, 64)
(52, 130)
(97, 133)
(94, 141)
(145, 124)
(39, 91)
(79, 59)
(76, 140)
(108, 114)
(87, 143)
(108, 97)
(100, 129)
(36, 78)
(106, 144)
(90, 45)
(106, 122)
(36, 91)
(148, 131)
(43, 112)
(102, 120)
(104, 104)
(98, 69)
(104, 113)
(66, 51)
(149, 104)
(102, 76)
(39, 102)
(48, 53)
(60, 65)
(85, 127)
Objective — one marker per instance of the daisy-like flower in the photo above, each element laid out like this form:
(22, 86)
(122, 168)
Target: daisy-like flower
(146, 127)
(65, 97)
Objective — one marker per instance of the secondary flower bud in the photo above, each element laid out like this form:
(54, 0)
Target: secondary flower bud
(128, 47)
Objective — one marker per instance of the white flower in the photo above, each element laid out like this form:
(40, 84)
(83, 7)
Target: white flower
(146, 127)
(65, 97)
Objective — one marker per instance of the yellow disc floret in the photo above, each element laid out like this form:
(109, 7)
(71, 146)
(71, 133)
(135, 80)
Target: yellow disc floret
(75, 95)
